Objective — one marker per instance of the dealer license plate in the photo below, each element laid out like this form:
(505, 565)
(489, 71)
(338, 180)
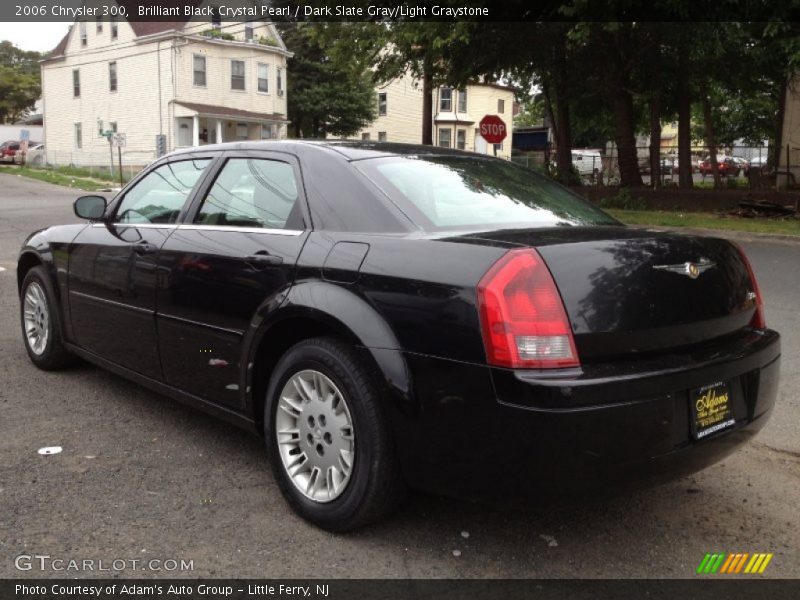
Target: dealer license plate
(711, 409)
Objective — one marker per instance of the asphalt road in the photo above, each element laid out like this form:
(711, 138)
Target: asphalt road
(142, 477)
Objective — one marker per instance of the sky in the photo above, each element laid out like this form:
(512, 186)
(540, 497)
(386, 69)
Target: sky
(42, 37)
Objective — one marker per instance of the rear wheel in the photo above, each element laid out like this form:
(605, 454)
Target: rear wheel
(41, 328)
(328, 440)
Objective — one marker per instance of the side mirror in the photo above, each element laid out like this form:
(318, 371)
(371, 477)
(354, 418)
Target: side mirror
(90, 207)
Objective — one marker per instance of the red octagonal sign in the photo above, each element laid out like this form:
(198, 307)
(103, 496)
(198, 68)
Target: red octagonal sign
(493, 129)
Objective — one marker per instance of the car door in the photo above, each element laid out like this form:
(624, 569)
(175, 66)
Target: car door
(113, 267)
(236, 250)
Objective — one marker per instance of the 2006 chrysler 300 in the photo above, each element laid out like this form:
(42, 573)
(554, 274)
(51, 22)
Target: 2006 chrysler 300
(390, 316)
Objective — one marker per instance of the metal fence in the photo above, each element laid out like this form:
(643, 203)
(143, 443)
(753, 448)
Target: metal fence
(749, 167)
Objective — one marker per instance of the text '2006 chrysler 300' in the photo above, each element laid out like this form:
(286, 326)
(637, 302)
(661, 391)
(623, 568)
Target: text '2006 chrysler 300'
(392, 316)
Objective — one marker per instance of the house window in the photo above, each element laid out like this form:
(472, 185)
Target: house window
(365, 136)
(76, 83)
(248, 32)
(501, 106)
(114, 28)
(241, 131)
(445, 100)
(266, 132)
(461, 139)
(444, 137)
(279, 81)
(237, 74)
(199, 67)
(78, 136)
(263, 78)
(84, 37)
(382, 104)
(462, 101)
(112, 76)
(381, 136)
(99, 24)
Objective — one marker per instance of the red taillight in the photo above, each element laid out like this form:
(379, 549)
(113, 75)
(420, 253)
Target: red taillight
(758, 321)
(523, 320)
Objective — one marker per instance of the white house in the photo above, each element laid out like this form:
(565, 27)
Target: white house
(456, 114)
(165, 85)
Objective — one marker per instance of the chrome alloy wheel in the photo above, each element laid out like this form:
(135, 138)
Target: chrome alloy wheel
(315, 435)
(36, 317)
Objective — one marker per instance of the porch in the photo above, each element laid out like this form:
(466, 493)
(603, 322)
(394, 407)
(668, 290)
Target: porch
(202, 124)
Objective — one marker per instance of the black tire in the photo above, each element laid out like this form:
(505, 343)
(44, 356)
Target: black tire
(54, 355)
(375, 487)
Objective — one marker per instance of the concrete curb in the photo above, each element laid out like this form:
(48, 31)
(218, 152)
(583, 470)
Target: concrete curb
(739, 236)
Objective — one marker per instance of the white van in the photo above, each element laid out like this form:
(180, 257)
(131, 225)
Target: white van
(587, 162)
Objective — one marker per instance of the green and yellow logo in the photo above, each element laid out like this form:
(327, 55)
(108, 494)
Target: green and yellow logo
(742, 562)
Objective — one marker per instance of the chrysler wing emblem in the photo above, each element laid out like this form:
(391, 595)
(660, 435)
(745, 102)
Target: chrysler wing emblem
(693, 270)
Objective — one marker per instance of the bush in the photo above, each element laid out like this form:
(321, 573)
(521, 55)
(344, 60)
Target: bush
(623, 200)
(218, 35)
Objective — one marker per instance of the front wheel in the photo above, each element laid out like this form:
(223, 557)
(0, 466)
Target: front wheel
(328, 440)
(41, 328)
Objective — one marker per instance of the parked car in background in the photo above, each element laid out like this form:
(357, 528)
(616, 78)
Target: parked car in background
(33, 157)
(388, 315)
(669, 165)
(726, 165)
(758, 162)
(8, 150)
(743, 164)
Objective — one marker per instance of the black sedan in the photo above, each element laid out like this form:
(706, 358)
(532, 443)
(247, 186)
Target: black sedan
(392, 316)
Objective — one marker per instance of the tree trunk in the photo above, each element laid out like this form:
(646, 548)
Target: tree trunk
(427, 103)
(778, 146)
(625, 137)
(562, 125)
(711, 140)
(655, 110)
(685, 180)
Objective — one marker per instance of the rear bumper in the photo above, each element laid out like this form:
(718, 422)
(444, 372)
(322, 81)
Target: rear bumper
(483, 432)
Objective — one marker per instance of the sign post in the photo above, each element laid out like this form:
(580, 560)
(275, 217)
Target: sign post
(493, 130)
(119, 140)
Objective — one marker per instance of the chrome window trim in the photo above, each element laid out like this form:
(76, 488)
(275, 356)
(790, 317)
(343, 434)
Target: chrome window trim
(196, 227)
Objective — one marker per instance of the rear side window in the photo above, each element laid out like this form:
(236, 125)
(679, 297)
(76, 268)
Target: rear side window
(252, 192)
(160, 195)
(448, 192)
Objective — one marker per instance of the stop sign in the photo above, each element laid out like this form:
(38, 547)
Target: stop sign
(493, 130)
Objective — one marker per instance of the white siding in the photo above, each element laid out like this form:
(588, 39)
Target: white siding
(403, 120)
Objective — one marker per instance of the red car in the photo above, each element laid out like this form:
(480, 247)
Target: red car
(727, 166)
(7, 151)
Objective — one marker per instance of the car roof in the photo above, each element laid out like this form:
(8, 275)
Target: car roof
(348, 149)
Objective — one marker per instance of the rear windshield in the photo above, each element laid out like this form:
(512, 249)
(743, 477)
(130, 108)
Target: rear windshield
(454, 192)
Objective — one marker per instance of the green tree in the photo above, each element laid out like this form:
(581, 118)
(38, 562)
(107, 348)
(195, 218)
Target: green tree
(325, 96)
(20, 83)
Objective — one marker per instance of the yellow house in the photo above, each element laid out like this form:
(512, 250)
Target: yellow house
(456, 114)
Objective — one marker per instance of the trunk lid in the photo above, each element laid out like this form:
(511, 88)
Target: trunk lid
(630, 291)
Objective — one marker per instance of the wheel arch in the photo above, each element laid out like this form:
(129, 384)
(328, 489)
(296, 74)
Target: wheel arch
(297, 319)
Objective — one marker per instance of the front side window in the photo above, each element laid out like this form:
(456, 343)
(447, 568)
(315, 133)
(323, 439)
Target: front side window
(76, 83)
(444, 137)
(112, 76)
(382, 104)
(455, 192)
(199, 69)
(160, 195)
(445, 99)
(237, 74)
(263, 78)
(252, 192)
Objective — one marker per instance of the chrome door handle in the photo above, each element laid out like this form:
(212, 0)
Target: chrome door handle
(264, 258)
